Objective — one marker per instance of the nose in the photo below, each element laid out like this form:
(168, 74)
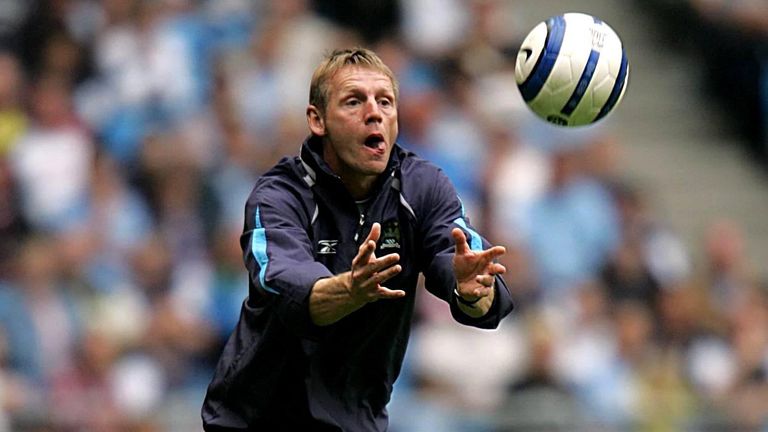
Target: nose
(372, 112)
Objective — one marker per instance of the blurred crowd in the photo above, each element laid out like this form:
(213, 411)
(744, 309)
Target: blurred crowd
(131, 133)
(729, 40)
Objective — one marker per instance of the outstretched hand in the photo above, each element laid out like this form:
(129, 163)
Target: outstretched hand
(369, 272)
(335, 297)
(475, 271)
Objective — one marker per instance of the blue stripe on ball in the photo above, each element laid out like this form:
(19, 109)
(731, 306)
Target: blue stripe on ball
(618, 86)
(531, 87)
(581, 87)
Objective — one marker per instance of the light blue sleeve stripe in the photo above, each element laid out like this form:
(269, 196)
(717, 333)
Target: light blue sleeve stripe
(475, 242)
(259, 250)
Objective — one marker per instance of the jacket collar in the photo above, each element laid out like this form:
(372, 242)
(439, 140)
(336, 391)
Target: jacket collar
(317, 169)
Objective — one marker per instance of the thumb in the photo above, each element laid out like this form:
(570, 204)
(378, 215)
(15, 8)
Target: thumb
(461, 241)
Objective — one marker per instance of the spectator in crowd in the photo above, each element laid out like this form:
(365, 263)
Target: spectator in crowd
(573, 227)
(53, 196)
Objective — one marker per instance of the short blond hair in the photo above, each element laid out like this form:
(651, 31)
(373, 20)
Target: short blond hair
(335, 61)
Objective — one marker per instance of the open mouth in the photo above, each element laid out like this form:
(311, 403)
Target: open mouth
(374, 141)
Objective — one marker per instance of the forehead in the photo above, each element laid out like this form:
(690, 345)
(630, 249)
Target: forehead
(358, 77)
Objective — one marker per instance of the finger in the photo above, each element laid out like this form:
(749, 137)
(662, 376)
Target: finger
(482, 261)
(386, 274)
(385, 261)
(461, 241)
(375, 232)
(496, 268)
(369, 245)
(486, 257)
(364, 254)
(365, 272)
(494, 252)
(482, 291)
(476, 290)
(485, 280)
(386, 293)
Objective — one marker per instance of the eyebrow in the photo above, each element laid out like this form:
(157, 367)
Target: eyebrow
(352, 89)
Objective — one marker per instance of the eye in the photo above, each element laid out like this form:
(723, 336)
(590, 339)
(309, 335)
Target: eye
(385, 102)
(352, 102)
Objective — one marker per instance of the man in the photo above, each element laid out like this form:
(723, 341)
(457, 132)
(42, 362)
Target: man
(334, 241)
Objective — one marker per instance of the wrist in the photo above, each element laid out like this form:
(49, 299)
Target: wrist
(469, 303)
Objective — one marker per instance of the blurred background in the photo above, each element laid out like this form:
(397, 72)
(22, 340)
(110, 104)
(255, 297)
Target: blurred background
(131, 133)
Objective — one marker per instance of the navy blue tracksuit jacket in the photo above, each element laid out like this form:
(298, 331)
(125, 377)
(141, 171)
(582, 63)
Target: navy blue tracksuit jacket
(279, 371)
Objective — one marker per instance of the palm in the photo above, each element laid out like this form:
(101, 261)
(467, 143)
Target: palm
(470, 264)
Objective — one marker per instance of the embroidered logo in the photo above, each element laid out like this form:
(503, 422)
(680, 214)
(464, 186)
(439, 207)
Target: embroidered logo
(327, 247)
(390, 235)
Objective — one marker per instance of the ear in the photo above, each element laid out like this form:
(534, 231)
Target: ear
(315, 121)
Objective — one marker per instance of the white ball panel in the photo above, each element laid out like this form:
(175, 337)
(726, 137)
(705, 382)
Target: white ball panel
(533, 44)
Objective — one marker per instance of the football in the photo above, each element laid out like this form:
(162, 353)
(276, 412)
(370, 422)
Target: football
(572, 69)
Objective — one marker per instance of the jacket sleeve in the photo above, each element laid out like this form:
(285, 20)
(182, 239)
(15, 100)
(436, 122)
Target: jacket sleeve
(278, 255)
(443, 212)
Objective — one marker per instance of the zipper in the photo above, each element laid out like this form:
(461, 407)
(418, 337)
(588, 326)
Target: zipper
(360, 224)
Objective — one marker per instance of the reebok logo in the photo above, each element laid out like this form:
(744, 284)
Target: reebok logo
(327, 247)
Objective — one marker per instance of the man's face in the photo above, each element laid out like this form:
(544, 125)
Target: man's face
(359, 125)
